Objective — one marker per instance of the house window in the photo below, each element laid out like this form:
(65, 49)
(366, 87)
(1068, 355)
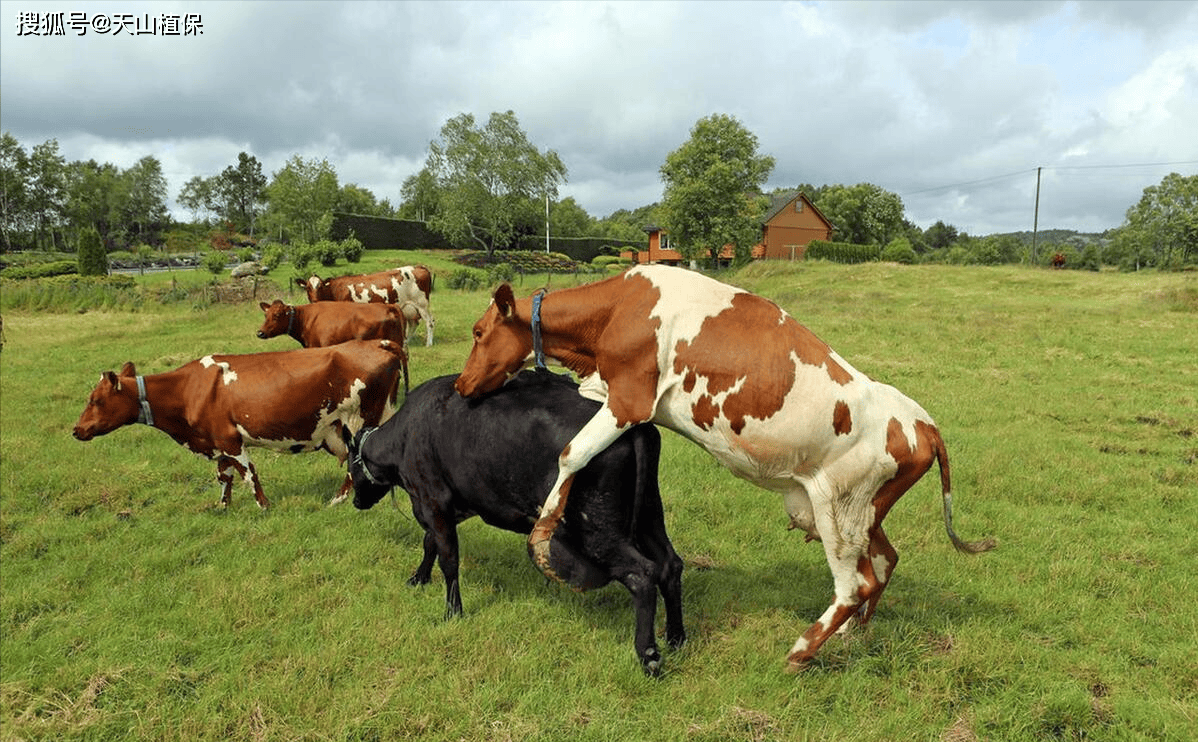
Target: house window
(799, 205)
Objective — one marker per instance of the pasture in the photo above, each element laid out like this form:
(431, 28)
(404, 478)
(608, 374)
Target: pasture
(133, 608)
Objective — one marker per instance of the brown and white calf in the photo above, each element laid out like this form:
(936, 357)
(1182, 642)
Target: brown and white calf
(737, 375)
(408, 288)
(328, 323)
(290, 401)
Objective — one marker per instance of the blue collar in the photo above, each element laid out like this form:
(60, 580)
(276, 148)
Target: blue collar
(536, 327)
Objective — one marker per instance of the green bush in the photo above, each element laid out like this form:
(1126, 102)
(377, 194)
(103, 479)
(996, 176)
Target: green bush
(272, 255)
(899, 251)
(93, 260)
(327, 252)
(606, 261)
(468, 279)
(842, 252)
(352, 249)
(500, 272)
(72, 293)
(41, 270)
(215, 262)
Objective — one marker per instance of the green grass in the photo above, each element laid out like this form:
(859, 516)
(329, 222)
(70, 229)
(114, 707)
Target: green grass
(131, 608)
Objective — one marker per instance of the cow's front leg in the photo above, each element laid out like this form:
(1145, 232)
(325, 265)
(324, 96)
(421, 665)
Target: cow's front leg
(599, 433)
(225, 477)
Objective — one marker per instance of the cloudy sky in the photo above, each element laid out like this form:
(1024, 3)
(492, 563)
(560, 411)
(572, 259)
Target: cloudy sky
(951, 105)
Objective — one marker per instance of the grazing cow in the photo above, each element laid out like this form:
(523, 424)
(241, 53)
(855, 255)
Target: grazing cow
(495, 457)
(737, 375)
(290, 401)
(407, 287)
(328, 323)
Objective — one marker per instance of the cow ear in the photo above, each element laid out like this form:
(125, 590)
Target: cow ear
(505, 300)
(263, 305)
(347, 438)
(111, 378)
(128, 369)
(302, 283)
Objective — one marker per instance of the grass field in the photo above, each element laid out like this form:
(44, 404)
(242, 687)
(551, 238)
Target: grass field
(132, 608)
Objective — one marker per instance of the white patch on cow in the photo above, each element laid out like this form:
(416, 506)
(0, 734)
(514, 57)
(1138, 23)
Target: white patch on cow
(687, 299)
(227, 374)
(314, 282)
(347, 411)
(594, 388)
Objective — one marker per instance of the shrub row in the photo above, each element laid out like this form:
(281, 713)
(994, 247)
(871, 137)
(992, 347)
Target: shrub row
(41, 270)
(842, 252)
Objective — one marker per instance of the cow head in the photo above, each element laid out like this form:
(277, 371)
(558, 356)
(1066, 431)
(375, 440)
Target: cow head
(113, 404)
(369, 488)
(317, 288)
(502, 345)
(279, 318)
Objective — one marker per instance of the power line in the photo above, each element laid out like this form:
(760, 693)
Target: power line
(1046, 167)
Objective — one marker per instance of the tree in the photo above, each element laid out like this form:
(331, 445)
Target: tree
(568, 219)
(940, 236)
(354, 199)
(863, 214)
(239, 192)
(1162, 228)
(92, 194)
(420, 196)
(490, 179)
(299, 194)
(14, 201)
(46, 189)
(92, 257)
(197, 196)
(142, 200)
(710, 182)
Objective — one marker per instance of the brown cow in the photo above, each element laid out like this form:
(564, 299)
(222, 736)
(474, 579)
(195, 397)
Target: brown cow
(289, 401)
(328, 323)
(740, 377)
(408, 288)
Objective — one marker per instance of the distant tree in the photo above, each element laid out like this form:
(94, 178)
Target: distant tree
(1162, 228)
(45, 181)
(940, 236)
(623, 224)
(14, 200)
(141, 206)
(197, 197)
(238, 194)
(863, 214)
(568, 219)
(354, 199)
(420, 196)
(489, 179)
(709, 185)
(92, 257)
(92, 198)
(299, 194)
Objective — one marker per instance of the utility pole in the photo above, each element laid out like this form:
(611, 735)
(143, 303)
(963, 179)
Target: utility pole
(1036, 218)
(546, 222)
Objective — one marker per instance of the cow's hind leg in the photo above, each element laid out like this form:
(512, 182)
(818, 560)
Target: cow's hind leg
(878, 568)
(599, 433)
(245, 468)
(424, 572)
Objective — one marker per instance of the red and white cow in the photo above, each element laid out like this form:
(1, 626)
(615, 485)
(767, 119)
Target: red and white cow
(737, 375)
(328, 323)
(289, 401)
(408, 288)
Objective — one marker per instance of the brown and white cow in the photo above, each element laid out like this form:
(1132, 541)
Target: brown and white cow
(290, 401)
(408, 288)
(737, 375)
(328, 323)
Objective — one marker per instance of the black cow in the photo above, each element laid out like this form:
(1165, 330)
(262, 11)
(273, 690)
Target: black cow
(495, 457)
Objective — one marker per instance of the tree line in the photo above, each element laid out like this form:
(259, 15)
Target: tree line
(484, 184)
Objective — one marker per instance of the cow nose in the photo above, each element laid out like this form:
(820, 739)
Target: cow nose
(261, 335)
(80, 434)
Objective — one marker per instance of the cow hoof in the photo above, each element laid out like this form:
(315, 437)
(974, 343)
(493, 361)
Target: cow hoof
(651, 663)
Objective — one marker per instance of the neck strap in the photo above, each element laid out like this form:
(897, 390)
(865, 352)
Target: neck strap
(536, 327)
(145, 416)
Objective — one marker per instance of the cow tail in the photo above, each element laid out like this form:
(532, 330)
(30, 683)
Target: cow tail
(646, 472)
(966, 547)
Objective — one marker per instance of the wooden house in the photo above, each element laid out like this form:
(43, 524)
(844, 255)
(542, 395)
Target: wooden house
(789, 225)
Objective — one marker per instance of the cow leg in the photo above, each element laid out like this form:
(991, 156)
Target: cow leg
(428, 325)
(879, 567)
(599, 433)
(847, 556)
(655, 544)
(245, 468)
(424, 572)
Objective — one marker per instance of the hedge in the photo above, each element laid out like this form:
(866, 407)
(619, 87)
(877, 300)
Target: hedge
(842, 252)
